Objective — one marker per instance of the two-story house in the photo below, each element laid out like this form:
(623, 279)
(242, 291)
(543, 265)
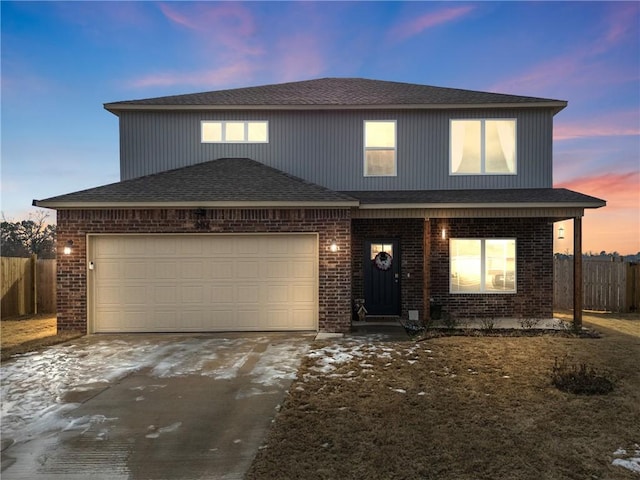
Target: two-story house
(276, 207)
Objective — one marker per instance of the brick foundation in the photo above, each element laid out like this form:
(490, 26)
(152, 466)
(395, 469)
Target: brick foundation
(334, 303)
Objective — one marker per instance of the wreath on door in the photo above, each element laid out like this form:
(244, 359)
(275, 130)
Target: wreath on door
(383, 261)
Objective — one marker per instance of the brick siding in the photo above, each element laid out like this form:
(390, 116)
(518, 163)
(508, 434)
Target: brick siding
(334, 303)
(534, 268)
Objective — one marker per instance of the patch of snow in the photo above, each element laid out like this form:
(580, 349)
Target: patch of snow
(632, 460)
(169, 428)
(399, 390)
(632, 464)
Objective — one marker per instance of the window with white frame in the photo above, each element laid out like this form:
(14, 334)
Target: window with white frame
(234, 131)
(482, 265)
(380, 148)
(483, 147)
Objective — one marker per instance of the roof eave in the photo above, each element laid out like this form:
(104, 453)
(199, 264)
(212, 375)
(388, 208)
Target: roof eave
(80, 205)
(116, 108)
(512, 205)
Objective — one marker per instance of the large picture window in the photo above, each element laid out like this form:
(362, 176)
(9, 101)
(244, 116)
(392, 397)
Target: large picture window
(380, 148)
(234, 131)
(482, 265)
(483, 147)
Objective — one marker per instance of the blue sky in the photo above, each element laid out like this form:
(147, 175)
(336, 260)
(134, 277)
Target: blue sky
(61, 61)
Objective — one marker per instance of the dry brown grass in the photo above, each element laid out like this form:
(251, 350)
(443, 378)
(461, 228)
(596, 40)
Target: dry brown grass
(27, 334)
(488, 411)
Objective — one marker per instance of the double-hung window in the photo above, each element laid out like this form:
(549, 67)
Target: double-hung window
(483, 147)
(482, 265)
(380, 148)
(234, 131)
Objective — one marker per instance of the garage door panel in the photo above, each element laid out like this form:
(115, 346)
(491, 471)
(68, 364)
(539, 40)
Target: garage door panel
(167, 283)
(164, 294)
(248, 294)
(220, 270)
(248, 319)
(221, 294)
(277, 294)
(248, 246)
(247, 269)
(277, 270)
(303, 269)
(303, 293)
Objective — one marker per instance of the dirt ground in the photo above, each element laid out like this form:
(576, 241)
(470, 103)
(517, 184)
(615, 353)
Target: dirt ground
(461, 408)
(26, 334)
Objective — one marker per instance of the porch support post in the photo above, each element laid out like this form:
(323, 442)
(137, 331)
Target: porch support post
(577, 273)
(426, 269)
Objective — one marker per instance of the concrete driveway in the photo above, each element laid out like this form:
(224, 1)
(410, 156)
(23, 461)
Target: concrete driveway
(144, 406)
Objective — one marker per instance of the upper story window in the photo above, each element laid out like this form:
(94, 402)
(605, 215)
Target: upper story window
(482, 265)
(235, 131)
(380, 148)
(483, 147)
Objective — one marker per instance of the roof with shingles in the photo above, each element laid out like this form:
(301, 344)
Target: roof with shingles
(519, 196)
(242, 182)
(338, 92)
(226, 180)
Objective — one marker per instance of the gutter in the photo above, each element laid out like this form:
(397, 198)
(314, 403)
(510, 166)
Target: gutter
(83, 205)
(115, 108)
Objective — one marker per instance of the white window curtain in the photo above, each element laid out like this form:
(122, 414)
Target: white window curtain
(507, 135)
(457, 144)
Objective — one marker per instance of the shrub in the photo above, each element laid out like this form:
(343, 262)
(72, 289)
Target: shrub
(579, 379)
(487, 323)
(529, 323)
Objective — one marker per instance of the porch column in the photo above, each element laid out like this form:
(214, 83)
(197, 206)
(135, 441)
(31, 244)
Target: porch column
(577, 273)
(426, 269)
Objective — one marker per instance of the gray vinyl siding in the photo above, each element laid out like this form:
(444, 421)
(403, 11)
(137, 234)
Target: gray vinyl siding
(326, 147)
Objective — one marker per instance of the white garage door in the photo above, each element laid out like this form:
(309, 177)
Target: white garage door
(181, 283)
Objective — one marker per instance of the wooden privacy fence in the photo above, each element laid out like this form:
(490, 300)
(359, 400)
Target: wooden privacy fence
(28, 286)
(609, 285)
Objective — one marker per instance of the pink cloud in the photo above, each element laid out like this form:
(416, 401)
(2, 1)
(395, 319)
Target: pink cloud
(226, 24)
(622, 22)
(300, 56)
(615, 227)
(419, 24)
(610, 125)
(230, 74)
(620, 190)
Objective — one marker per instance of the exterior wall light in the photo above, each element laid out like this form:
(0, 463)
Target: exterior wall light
(67, 247)
(561, 233)
(444, 233)
(334, 246)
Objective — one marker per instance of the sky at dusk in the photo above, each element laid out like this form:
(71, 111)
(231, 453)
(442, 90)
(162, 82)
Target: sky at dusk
(61, 61)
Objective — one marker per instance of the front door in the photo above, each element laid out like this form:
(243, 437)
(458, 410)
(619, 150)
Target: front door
(381, 264)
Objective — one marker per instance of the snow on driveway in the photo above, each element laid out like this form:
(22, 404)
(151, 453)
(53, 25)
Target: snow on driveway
(33, 386)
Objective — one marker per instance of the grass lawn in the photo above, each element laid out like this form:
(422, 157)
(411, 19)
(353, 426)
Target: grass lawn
(22, 335)
(459, 408)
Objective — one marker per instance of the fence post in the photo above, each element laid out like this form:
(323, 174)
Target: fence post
(34, 282)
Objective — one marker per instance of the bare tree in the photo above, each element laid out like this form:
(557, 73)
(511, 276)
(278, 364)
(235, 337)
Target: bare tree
(27, 237)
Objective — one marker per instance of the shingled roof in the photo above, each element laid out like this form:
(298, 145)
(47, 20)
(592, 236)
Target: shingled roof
(336, 93)
(225, 182)
(481, 198)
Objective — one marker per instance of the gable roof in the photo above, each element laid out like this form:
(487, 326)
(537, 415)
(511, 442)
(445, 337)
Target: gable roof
(227, 182)
(336, 93)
